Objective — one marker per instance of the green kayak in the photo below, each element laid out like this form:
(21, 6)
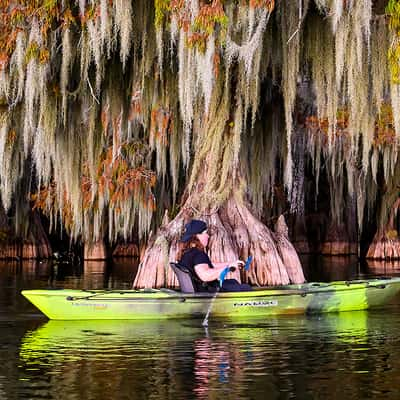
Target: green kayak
(65, 304)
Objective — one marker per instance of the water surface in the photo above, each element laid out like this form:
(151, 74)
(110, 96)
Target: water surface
(340, 356)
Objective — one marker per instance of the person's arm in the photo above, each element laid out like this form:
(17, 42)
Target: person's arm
(207, 274)
(236, 263)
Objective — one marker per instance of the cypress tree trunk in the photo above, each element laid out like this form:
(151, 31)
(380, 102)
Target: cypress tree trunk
(95, 251)
(216, 193)
(34, 244)
(338, 241)
(126, 250)
(235, 233)
(386, 243)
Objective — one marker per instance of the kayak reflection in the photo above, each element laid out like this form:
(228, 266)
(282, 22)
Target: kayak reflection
(176, 358)
(115, 339)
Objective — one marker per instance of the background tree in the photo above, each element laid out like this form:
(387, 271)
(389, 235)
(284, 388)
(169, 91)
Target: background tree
(200, 105)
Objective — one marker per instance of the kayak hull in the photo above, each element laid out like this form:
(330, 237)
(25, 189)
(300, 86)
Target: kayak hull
(65, 304)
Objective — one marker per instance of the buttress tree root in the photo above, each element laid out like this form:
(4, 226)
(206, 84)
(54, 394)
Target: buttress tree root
(235, 233)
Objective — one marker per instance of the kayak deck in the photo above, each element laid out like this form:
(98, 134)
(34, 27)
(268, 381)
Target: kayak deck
(67, 304)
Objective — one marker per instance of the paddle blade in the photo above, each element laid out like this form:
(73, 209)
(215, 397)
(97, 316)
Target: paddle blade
(222, 276)
(248, 262)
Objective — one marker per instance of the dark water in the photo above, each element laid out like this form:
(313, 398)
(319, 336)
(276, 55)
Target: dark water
(340, 356)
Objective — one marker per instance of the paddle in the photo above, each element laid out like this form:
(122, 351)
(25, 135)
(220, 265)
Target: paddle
(248, 262)
(221, 279)
(222, 276)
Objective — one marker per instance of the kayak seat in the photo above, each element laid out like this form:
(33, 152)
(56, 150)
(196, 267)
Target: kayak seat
(184, 277)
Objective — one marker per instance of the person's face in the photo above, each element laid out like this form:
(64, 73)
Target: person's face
(203, 237)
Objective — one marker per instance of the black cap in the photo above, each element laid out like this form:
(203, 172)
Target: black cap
(194, 227)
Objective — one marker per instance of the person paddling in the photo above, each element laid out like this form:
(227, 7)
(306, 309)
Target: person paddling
(192, 254)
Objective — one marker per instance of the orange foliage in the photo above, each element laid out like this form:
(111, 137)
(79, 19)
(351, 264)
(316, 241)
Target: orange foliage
(384, 129)
(67, 18)
(11, 138)
(268, 4)
(160, 125)
(46, 200)
(18, 16)
(3, 60)
(211, 14)
(115, 179)
(179, 11)
(120, 181)
(91, 14)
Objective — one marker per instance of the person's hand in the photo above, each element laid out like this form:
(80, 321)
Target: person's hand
(239, 263)
(236, 264)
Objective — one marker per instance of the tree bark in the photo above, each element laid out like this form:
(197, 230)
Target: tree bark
(126, 250)
(338, 241)
(288, 252)
(35, 245)
(95, 251)
(386, 243)
(299, 235)
(384, 247)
